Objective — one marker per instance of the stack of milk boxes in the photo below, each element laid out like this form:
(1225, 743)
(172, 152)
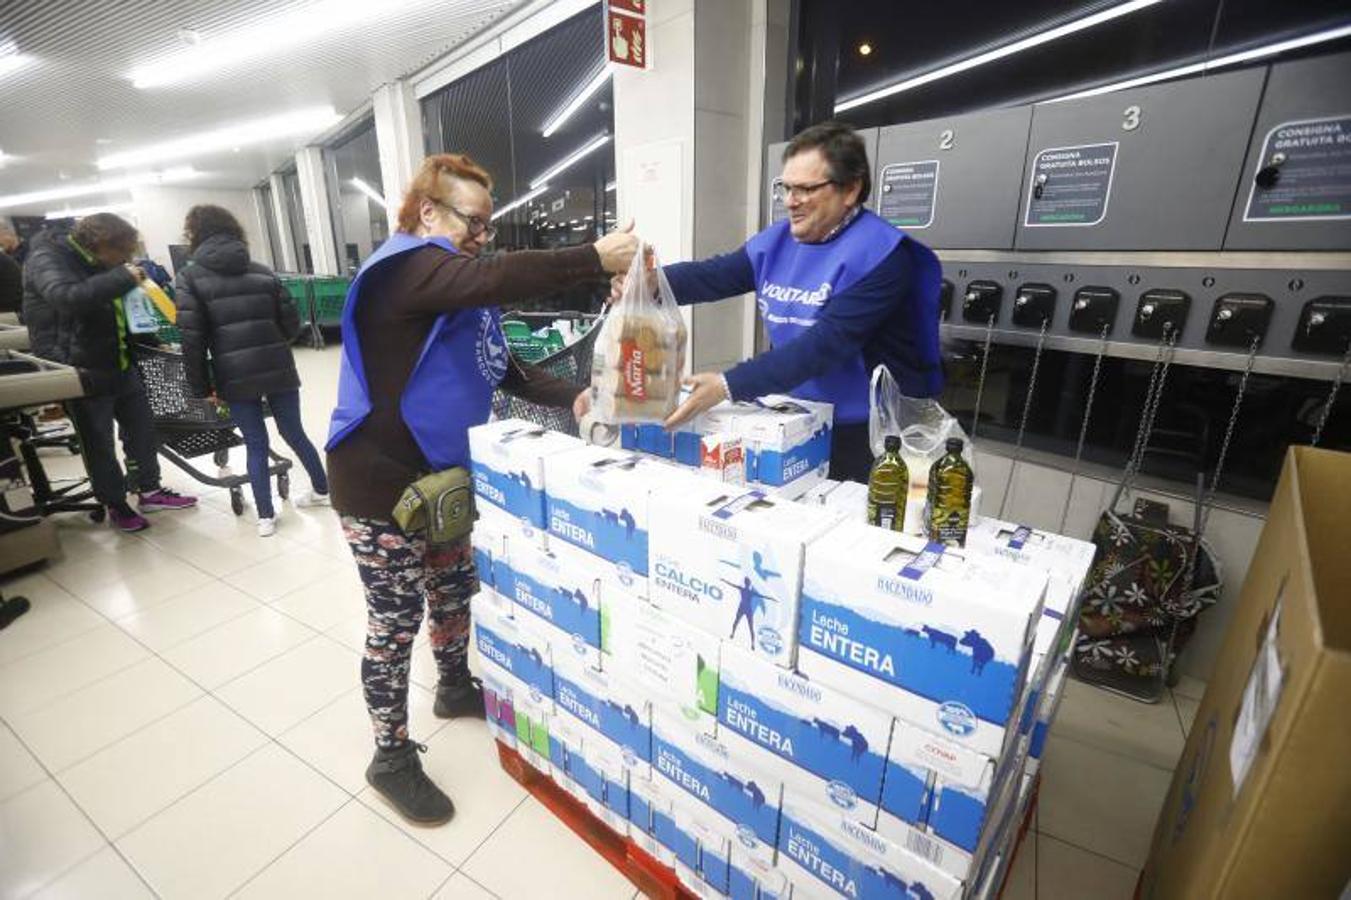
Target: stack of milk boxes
(783, 441)
(771, 700)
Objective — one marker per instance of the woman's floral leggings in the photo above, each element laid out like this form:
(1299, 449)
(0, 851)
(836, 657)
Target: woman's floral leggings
(401, 576)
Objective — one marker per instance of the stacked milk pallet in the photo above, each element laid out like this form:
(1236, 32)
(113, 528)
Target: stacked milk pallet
(780, 444)
(773, 701)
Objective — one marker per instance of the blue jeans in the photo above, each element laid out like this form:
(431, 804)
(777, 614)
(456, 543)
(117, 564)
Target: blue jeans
(248, 414)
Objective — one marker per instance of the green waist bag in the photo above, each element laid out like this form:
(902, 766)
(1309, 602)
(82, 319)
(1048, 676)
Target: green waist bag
(438, 507)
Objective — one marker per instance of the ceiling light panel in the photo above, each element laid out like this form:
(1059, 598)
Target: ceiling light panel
(263, 38)
(297, 123)
(569, 161)
(1027, 43)
(593, 84)
(104, 186)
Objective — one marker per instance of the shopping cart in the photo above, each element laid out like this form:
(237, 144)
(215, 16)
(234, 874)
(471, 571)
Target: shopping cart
(572, 363)
(190, 427)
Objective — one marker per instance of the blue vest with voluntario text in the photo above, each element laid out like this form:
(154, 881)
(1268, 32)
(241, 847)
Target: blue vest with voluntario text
(794, 282)
(451, 386)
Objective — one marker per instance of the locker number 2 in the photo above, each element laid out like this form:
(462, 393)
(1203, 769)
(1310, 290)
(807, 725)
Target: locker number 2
(1132, 118)
(945, 139)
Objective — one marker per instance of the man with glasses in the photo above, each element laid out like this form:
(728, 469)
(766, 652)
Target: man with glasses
(841, 291)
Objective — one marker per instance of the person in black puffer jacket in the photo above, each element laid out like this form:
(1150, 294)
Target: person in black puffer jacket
(74, 285)
(237, 322)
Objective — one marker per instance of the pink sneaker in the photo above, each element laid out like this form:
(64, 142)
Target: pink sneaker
(165, 499)
(124, 518)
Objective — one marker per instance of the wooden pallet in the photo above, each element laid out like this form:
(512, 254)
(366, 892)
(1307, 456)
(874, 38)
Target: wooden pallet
(647, 874)
(655, 880)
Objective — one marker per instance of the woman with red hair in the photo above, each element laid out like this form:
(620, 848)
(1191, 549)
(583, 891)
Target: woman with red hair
(423, 352)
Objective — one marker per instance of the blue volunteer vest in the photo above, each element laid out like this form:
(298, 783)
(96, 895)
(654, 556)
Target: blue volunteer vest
(450, 389)
(795, 281)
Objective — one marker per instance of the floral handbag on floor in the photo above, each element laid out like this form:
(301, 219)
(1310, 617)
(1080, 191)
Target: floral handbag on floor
(1150, 578)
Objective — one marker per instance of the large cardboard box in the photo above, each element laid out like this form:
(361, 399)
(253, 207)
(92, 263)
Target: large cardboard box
(508, 463)
(920, 630)
(1260, 804)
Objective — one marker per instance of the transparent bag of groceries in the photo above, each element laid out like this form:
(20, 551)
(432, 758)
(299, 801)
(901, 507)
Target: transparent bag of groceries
(640, 352)
(921, 423)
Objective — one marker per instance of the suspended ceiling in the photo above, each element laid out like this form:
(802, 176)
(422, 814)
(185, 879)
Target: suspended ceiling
(75, 101)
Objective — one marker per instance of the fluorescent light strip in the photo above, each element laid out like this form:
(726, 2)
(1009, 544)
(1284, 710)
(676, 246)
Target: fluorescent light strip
(107, 186)
(1027, 43)
(368, 191)
(13, 62)
(265, 37)
(569, 161)
(87, 211)
(595, 83)
(519, 201)
(289, 124)
(1232, 59)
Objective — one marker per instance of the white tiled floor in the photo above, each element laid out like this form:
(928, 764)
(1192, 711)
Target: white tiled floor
(180, 716)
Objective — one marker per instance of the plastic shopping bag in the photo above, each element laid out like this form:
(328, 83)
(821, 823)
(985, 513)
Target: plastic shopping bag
(921, 423)
(640, 352)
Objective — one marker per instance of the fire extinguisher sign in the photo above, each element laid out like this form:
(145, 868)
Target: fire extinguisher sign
(626, 33)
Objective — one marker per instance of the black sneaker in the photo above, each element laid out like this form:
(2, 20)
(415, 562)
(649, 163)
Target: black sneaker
(457, 701)
(398, 777)
(11, 609)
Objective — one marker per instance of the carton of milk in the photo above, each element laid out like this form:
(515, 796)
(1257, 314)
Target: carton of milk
(719, 773)
(495, 533)
(607, 703)
(722, 458)
(508, 462)
(597, 501)
(787, 441)
(601, 771)
(515, 649)
(664, 658)
(920, 631)
(729, 561)
(834, 747)
(1047, 707)
(827, 854)
(936, 798)
(558, 590)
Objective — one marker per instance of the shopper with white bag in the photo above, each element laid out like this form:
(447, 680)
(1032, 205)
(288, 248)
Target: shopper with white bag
(841, 291)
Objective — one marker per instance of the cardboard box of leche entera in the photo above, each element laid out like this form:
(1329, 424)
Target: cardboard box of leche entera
(730, 562)
(1258, 803)
(828, 748)
(561, 591)
(826, 854)
(515, 648)
(607, 703)
(938, 798)
(920, 630)
(732, 796)
(663, 658)
(494, 534)
(508, 462)
(597, 501)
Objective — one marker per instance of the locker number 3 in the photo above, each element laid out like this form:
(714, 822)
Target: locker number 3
(945, 139)
(1131, 120)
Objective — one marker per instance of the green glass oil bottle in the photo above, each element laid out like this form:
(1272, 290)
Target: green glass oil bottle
(949, 500)
(888, 484)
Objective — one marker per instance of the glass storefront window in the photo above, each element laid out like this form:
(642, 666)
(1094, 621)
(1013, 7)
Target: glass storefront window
(359, 222)
(270, 225)
(295, 213)
(498, 113)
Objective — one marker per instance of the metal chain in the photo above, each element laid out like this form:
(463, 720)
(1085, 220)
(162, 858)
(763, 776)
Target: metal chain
(1209, 500)
(1083, 426)
(1027, 410)
(980, 384)
(1332, 396)
(1157, 379)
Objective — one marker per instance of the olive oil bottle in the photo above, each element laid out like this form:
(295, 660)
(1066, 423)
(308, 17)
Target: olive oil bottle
(888, 485)
(949, 501)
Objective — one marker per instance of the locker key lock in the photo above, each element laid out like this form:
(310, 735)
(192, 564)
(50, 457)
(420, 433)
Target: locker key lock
(1268, 175)
(1034, 305)
(1324, 326)
(1160, 310)
(1237, 319)
(1094, 309)
(945, 301)
(1040, 184)
(981, 302)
